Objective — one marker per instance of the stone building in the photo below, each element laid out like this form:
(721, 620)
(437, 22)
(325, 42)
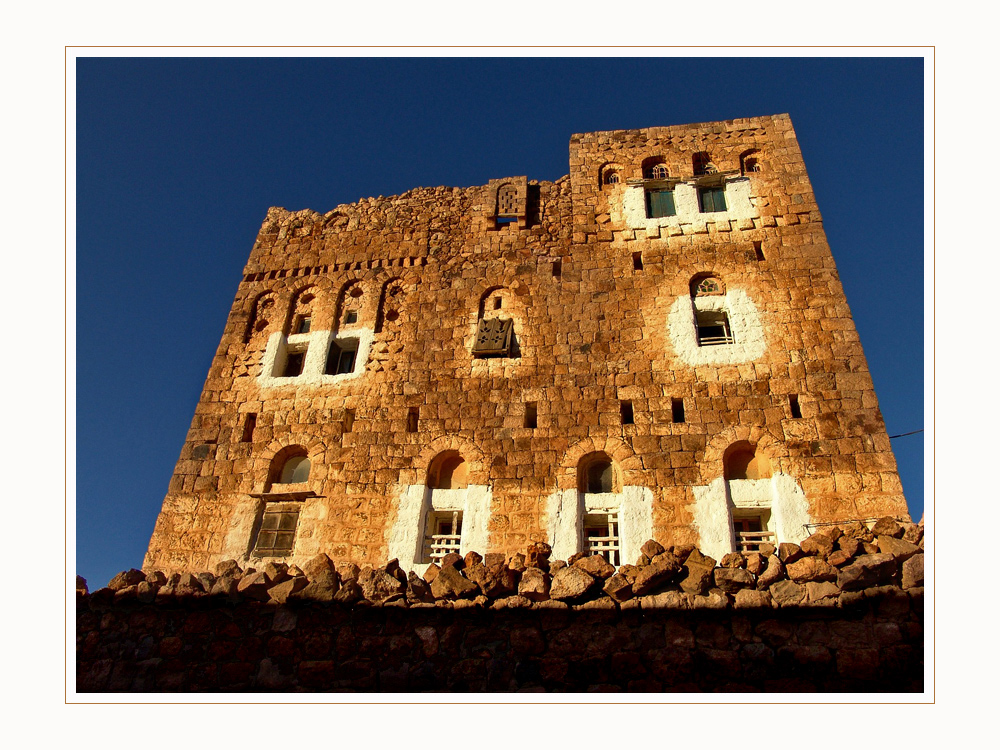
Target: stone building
(654, 346)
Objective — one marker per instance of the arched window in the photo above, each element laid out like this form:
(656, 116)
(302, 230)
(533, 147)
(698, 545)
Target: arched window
(655, 170)
(599, 529)
(260, 317)
(702, 164)
(596, 473)
(295, 470)
(750, 161)
(448, 471)
(744, 461)
(702, 285)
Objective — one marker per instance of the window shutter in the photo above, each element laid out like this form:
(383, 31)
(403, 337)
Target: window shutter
(493, 338)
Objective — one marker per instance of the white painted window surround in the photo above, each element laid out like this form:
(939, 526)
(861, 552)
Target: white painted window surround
(566, 509)
(317, 346)
(688, 210)
(715, 503)
(406, 537)
(744, 323)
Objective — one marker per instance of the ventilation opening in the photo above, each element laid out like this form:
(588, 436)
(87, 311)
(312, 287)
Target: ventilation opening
(531, 415)
(627, 415)
(412, 416)
(557, 269)
(249, 425)
(348, 420)
(793, 404)
(677, 410)
(497, 303)
(637, 261)
(758, 250)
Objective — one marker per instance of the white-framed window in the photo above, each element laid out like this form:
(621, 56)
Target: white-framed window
(601, 535)
(442, 534)
(342, 356)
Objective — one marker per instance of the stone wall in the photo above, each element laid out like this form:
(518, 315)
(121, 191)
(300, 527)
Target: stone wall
(841, 612)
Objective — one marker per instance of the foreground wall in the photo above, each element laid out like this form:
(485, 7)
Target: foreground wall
(841, 612)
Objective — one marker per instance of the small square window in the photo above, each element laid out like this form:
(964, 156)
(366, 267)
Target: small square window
(351, 317)
(293, 363)
(304, 324)
(712, 200)
(276, 536)
(342, 357)
(660, 203)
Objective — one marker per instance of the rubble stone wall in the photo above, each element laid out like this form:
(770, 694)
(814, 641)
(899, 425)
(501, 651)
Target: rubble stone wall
(843, 611)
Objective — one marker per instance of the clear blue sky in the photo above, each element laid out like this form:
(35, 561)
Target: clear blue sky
(178, 160)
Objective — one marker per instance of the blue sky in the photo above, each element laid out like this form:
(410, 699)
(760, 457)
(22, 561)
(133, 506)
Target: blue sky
(178, 160)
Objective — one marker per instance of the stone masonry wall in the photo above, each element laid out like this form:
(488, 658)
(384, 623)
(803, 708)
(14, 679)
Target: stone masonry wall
(591, 297)
(841, 612)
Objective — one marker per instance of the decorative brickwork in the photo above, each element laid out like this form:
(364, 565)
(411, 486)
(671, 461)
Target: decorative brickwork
(357, 336)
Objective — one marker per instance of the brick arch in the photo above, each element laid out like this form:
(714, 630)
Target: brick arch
(352, 280)
(712, 464)
(620, 452)
(383, 291)
(252, 311)
(470, 451)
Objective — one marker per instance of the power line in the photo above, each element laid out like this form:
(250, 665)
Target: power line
(904, 434)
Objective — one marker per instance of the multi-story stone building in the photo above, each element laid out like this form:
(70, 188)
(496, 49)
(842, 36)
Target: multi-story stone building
(655, 346)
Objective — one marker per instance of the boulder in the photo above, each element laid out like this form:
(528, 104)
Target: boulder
(253, 586)
(774, 572)
(819, 544)
(555, 566)
(695, 578)
(656, 574)
(393, 569)
(596, 566)
(811, 569)
(913, 532)
(899, 548)
(913, 572)
(317, 565)
(838, 558)
(156, 577)
(682, 551)
(347, 571)
(227, 568)
(887, 526)
(280, 592)
(867, 571)
(824, 592)
(571, 583)
(126, 578)
(789, 553)
(767, 549)
(189, 585)
(492, 559)
(451, 584)
(787, 593)
(538, 555)
(697, 558)
(752, 599)
(417, 589)
(731, 580)
(756, 563)
(452, 560)
(629, 571)
(81, 584)
(857, 530)
(349, 592)
(471, 558)
(320, 588)
(618, 588)
(849, 545)
(224, 586)
(516, 562)
(534, 584)
(145, 592)
(652, 548)
(733, 560)
(380, 585)
(431, 573)
(494, 582)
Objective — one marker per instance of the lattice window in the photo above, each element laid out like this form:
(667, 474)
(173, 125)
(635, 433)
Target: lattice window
(611, 178)
(443, 535)
(713, 328)
(277, 532)
(494, 338)
(601, 536)
(507, 201)
(750, 535)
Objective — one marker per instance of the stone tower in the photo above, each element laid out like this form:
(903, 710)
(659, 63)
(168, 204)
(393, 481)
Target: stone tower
(655, 346)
